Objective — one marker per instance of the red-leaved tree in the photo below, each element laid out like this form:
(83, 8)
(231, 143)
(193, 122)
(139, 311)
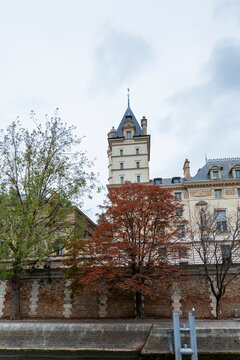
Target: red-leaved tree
(135, 246)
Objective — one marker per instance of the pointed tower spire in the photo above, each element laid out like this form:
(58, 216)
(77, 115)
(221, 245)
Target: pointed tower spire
(128, 95)
(129, 150)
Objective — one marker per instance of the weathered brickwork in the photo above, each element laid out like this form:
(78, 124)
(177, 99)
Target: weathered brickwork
(231, 299)
(51, 298)
(120, 304)
(46, 295)
(85, 305)
(195, 294)
(159, 306)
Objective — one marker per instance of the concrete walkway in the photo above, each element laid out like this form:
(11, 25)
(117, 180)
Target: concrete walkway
(163, 323)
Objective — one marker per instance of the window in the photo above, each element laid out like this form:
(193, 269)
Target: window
(238, 190)
(59, 252)
(163, 252)
(215, 174)
(218, 192)
(237, 172)
(122, 179)
(221, 220)
(176, 180)
(181, 231)
(121, 166)
(179, 211)
(183, 253)
(138, 164)
(137, 151)
(129, 135)
(178, 195)
(226, 255)
(121, 152)
(138, 178)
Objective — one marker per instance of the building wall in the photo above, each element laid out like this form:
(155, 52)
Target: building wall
(194, 193)
(129, 160)
(44, 294)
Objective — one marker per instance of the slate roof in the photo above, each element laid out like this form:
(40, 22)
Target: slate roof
(138, 129)
(225, 165)
(168, 181)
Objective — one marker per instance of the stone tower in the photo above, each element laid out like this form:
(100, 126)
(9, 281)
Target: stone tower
(129, 151)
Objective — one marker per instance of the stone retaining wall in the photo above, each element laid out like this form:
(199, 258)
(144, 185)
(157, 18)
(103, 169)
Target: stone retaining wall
(141, 338)
(45, 294)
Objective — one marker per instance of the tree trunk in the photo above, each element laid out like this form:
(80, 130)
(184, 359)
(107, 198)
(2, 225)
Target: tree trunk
(15, 300)
(139, 304)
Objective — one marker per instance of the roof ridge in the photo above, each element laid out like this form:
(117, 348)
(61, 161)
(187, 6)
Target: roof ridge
(223, 159)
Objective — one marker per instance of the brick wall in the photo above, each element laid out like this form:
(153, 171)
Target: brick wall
(44, 294)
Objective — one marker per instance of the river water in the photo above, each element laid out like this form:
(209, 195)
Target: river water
(20, 355)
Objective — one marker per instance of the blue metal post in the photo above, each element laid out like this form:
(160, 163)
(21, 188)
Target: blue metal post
(193, 337)
(177, 336)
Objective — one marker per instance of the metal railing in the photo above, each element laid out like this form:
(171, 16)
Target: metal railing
(177, 329)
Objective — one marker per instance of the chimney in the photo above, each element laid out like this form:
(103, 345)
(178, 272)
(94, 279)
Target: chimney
(144, 125)
(186, 170)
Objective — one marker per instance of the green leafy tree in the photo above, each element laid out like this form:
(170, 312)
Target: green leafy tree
(41, 179)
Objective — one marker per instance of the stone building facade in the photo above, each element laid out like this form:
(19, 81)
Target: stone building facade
(129, 151)
(215, 186)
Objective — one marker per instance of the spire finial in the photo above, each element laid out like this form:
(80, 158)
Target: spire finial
(128, 95)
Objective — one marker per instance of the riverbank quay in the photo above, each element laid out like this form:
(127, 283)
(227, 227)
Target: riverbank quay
(113, 339)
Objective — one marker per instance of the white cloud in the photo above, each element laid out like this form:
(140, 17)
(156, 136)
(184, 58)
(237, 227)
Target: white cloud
(205, 117)
(118, 59)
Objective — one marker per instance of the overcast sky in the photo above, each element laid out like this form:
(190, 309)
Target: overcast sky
(180, 59)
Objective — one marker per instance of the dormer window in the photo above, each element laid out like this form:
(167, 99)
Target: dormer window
(129, 134)
(158, 181)
(235, 171)
(176, 180)
(215, 173)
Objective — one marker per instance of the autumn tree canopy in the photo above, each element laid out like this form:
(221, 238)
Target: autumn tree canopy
(135, 246)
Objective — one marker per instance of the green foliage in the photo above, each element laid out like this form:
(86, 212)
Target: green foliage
(41, 179)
